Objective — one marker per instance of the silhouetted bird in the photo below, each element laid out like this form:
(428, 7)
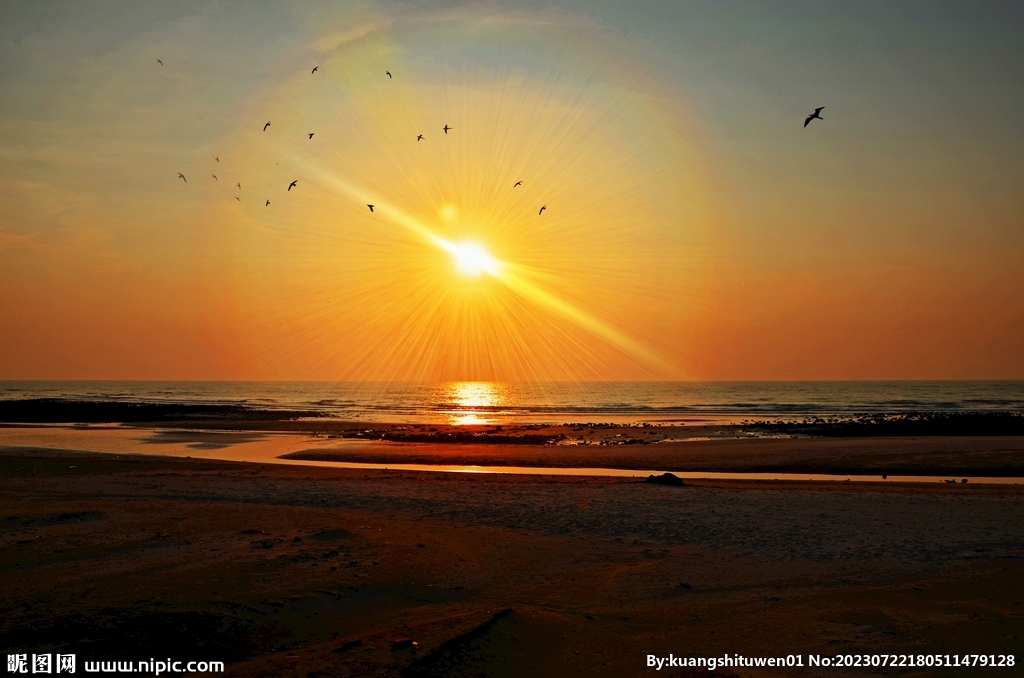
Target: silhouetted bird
(292, 184)
(419, 138)
(315, 68)
(311, 134)
(814, 115)
(238, 199)
(182, 177)
(516, 184)
(217, 158)
(266, 126)
(214, 177)
(239, 185)
(268, 204)
(160, 62)
(542, 210)
(389, 73)
(446, 128)
(371, 207)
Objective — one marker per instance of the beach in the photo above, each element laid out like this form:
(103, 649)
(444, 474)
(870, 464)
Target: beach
(284, 542)
(699, 449)
(297, 570)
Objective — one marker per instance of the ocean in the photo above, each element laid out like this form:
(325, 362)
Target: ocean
(471, 402)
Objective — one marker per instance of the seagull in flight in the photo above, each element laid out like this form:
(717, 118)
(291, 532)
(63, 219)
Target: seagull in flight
(182, 177)
(266, 126)
(446, 128)
(239, 185)
(516, 184)
(542, 210)
(419, 138)
(292, 184)
(389, 73)
(311, 134)
(268, 204)
(238, 199)
(160, 62)
(315, 69)
(371, 207)
(214, 177)
(217, 158)
(812, 116)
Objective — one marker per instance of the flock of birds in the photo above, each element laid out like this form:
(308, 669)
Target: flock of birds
(813, 116)
(293, 184)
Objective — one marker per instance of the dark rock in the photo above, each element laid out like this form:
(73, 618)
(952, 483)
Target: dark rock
(665, 479)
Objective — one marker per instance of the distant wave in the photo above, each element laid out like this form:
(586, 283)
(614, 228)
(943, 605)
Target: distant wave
(556, 402)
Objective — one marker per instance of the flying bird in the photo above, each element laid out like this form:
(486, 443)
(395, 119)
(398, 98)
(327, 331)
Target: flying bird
(292, 184)
(311, 134)
(389, 73)
(542, 210)
(238, 199)
(214, 177)
(266, 126)
(419, 137)
(160, 62)
(239, 185)
(268, 204)
(371, 207)
(446, 128)
(217, 158)
(315, 68)
(516, 184)
(814, 115)
(182, 177)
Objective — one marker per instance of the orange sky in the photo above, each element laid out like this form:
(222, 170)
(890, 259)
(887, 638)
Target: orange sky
(694, 229)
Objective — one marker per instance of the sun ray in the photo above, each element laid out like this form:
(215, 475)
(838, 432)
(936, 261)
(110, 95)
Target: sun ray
(473, 260)
(344, 292)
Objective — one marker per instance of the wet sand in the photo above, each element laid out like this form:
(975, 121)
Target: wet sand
(302, 571)
(952, 456)
(934, 456)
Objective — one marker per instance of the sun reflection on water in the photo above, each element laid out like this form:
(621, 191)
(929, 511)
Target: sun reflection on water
(475, 402)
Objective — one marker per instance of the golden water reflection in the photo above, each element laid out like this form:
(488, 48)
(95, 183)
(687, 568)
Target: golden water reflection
(476, 402)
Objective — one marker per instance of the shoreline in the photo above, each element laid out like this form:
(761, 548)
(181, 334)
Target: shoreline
(981, 459)
(480, 423)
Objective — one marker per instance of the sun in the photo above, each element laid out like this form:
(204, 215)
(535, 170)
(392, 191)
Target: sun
(473, 260)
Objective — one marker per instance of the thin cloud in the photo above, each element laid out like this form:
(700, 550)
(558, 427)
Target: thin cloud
(12, 240)
(335, 40)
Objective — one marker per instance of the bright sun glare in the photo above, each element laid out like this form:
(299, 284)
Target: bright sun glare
(472, 260)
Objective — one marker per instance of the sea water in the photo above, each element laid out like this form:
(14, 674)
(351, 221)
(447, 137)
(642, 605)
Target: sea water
(481, 402)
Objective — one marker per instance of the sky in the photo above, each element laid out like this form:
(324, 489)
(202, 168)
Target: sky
(694, 229)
